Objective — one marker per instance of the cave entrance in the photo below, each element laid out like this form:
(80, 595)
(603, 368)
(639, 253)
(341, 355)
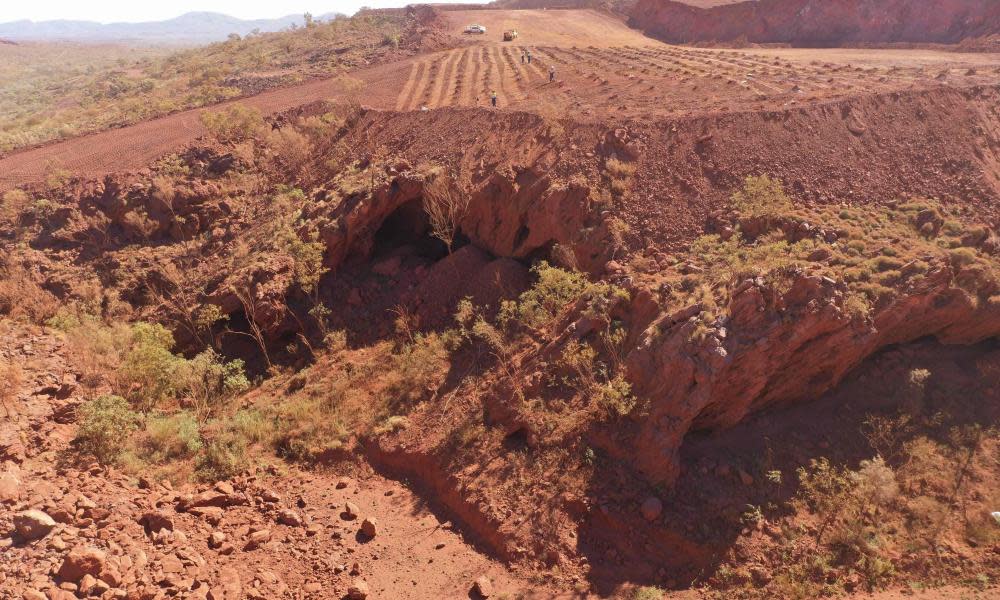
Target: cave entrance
(408, 226)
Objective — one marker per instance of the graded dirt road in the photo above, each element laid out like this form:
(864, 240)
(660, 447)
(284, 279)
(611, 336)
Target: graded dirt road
(603, 70)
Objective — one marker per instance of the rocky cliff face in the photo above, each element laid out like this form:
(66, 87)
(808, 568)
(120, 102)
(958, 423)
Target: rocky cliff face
(819, 22)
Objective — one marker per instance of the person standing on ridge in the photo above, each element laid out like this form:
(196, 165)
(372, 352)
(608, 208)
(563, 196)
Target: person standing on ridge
(523, 57)
(493, 98)
(552, 73)
(528, 54)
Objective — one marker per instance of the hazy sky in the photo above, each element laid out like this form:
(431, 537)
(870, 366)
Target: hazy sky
(107, 11)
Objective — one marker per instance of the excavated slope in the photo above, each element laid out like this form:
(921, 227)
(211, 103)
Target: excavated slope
(819, 22)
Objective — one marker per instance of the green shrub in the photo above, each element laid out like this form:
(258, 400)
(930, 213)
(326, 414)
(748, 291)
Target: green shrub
(553, 289)
(761, 197)
(233, 125)
(619, 169)
(648, 592)
(209, 380)
(616, 397)
(416, 368)
(171, 437)
(253, 426)
(309, 427)
(391, 39)
(149, 373)
(223, 457)
(105, 426)
(962, 257)
(13, 204)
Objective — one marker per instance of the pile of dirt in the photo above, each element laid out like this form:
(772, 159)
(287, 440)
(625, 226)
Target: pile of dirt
(819, 23)
(621, 7)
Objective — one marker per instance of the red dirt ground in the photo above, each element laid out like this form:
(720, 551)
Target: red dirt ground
(304, 557)
(604, 71)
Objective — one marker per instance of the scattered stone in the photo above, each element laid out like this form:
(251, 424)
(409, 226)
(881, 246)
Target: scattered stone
(483, 587)
(33, 524)
(230, 587)
(82, 561)
(171, 564)
(216, 539)
(290, 517)
(270, 496)
(33, 595)
(259, 538)
(358, 590)
(351, 511)
(10, 487)
(57, 543)
(155, 521)
(651, 508)
(212, 514)
(369, 527)
(343, 482)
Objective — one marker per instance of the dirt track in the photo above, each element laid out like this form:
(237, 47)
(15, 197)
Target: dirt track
(604, 70)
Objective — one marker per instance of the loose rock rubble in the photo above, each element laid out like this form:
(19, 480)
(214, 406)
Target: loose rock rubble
(84, 531)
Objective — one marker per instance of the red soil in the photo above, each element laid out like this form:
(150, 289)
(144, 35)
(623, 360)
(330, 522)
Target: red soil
(623, 76)
(819, 22)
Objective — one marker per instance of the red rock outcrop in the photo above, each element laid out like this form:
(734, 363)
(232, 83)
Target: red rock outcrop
(819, 22)
(775, 347)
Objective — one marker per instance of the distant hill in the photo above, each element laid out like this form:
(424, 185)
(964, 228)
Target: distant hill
(195, 27)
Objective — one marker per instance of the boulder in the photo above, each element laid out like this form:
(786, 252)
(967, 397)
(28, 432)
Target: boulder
(369, 527)
(290, 517)
(10, 487)
(33, 524)
(483, 586)
(82, 561)
(258, 539)
(154, 521)
(358, 590)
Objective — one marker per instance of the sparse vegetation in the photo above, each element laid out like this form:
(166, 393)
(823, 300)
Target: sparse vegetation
(105, 427)
(761, 197)
(57, 91)
(233, 125)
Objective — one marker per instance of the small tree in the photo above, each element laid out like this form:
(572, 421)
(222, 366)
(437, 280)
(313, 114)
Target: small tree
(446, 205)
(248, 298)
(233, 125)
(105, 426)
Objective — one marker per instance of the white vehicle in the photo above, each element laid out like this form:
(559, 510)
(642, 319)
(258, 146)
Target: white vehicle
(477, 29)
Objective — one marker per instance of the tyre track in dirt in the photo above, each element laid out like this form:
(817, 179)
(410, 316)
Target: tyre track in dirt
(405, 95)
(468, 74)
(604, 70)
(514, 79)
(496, 65)
(451, 82)
(439, 85)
